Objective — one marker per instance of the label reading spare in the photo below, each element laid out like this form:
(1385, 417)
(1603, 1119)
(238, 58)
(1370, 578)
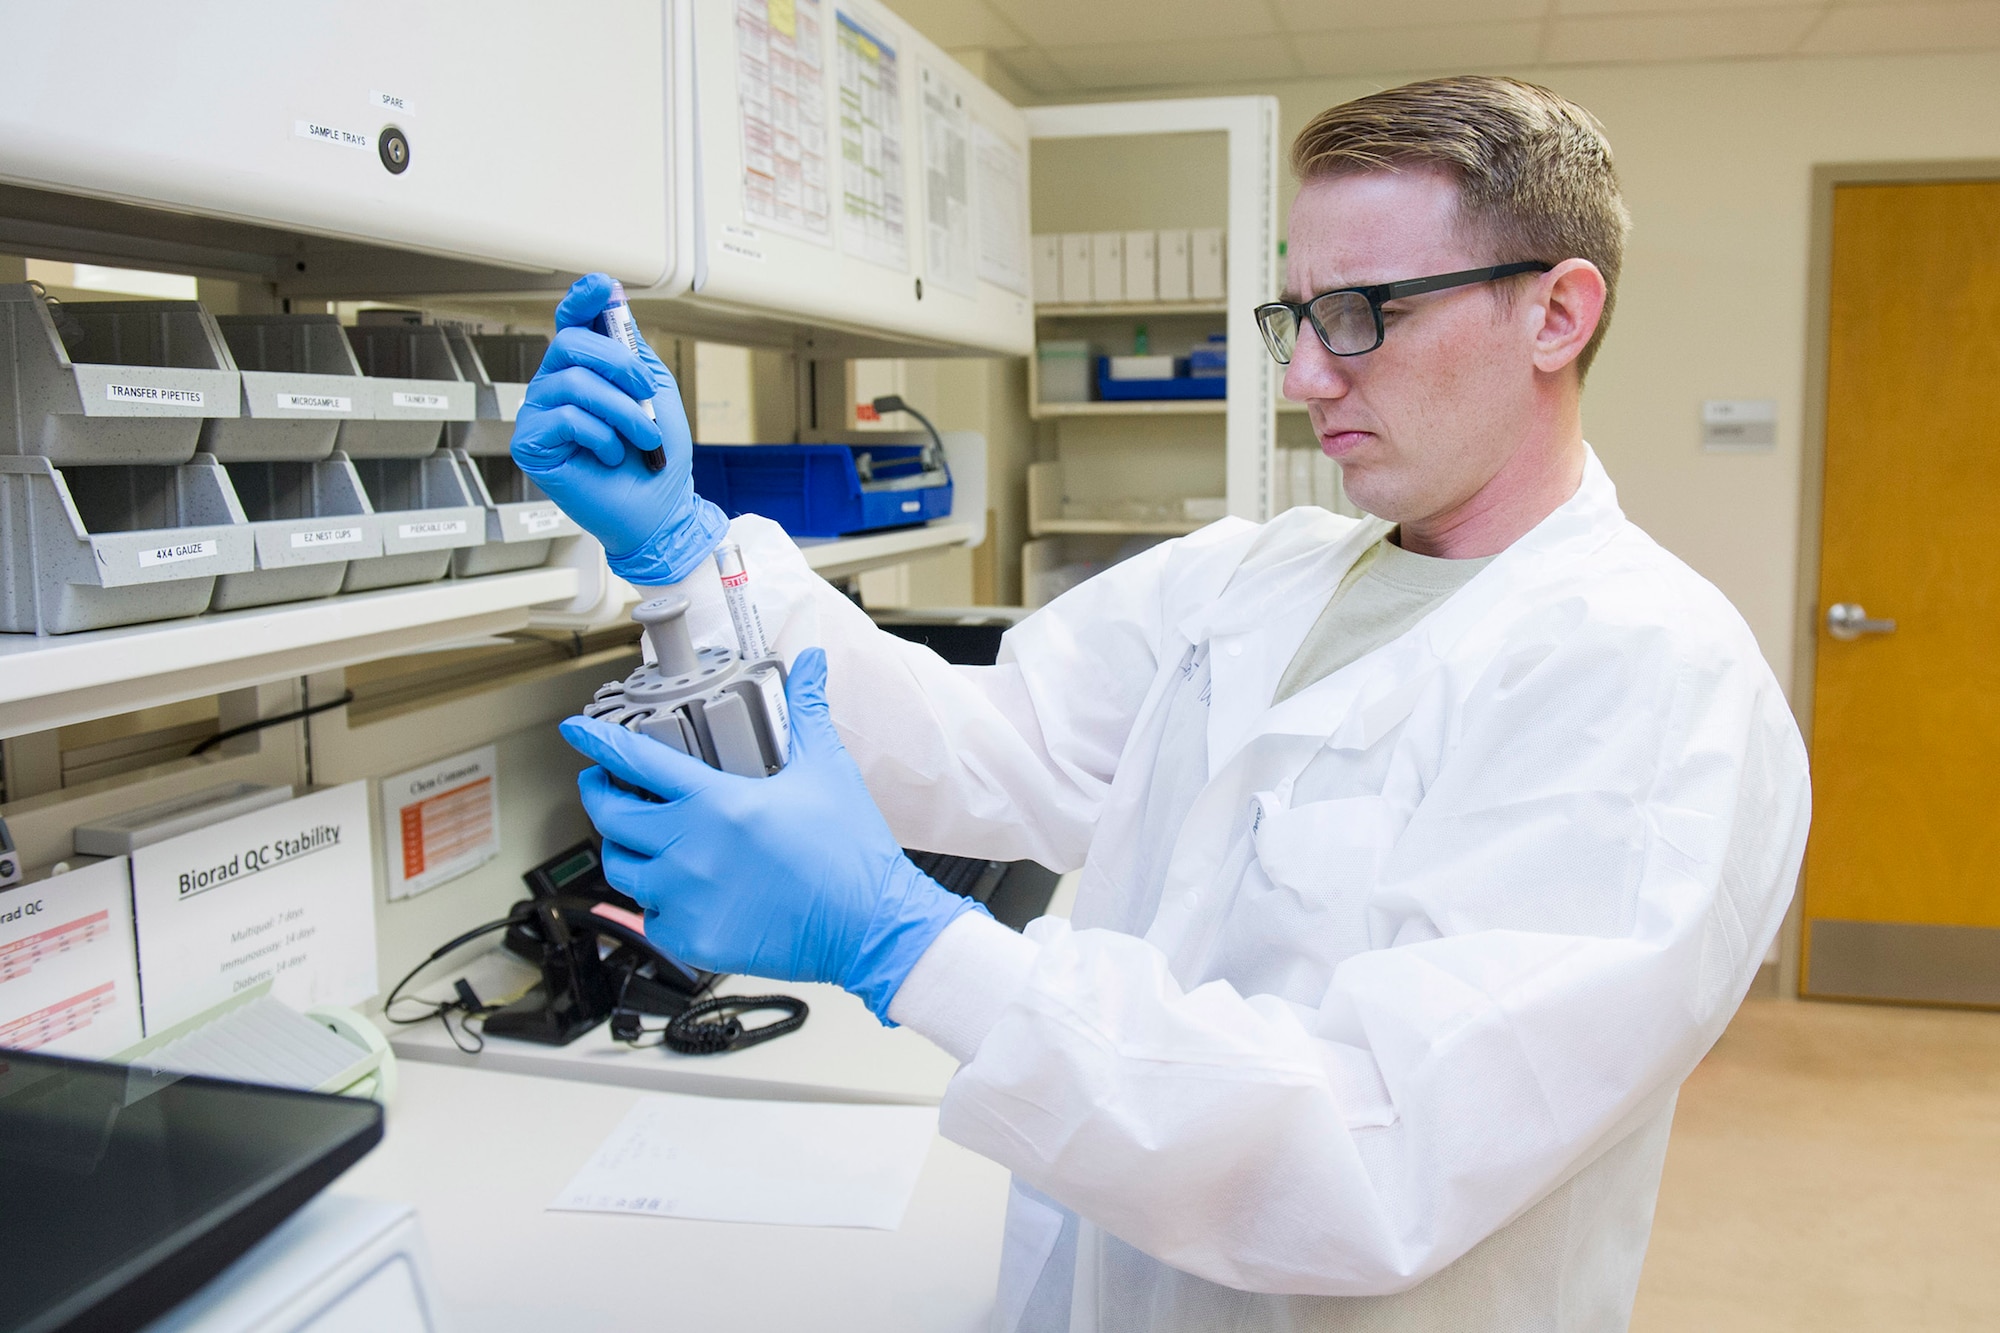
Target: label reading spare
(173, 555)
(315, 402)
(147, 393)
(438, 527)
(435, 402)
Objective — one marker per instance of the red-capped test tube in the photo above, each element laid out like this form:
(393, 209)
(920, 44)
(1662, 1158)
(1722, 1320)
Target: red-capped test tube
(750, 639)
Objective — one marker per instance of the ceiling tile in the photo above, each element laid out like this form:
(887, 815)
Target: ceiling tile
(1865, 29)
(1444, 46)
(1033, 70)
(1138, 65)
(1350, 15)
(957, 23)
(1065, 23)
(1718, 34)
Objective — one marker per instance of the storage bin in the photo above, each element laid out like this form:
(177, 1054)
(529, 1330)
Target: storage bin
(105, 382)
(1062, 370)
(499, 366)
(300, 382)
(521, 521)
(1183, 386)
(825, 490)
(425, 510)
(415, 387)
(307, 521)
(85, 548)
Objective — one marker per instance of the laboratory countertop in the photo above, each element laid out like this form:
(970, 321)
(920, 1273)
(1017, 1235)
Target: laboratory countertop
(480, 1153)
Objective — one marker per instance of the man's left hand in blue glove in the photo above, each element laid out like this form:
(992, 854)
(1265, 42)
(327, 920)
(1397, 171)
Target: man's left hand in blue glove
(795, 876)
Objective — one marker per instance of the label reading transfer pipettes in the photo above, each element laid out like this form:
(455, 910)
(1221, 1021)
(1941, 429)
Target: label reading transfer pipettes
(174, 555)
(433, 402)
(146, 393)
(306, 541)
(442, 527)
(315, 402)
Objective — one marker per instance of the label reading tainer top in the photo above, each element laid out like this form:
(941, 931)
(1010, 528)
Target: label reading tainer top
(435, 402)
(147, 393)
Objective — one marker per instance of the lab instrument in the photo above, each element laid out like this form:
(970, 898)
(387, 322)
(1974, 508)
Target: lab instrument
(619, 325)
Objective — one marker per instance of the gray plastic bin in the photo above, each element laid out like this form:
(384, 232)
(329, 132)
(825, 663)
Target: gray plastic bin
(499, 366)
(308, 520)
(108, 381)
(521, 521)
(415, 388)
(300, 381)
(425, 510)
(90, 547)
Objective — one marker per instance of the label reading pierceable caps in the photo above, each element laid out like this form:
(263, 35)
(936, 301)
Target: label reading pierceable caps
(173, 555)
(440, 527)
(307, 541)
(315, 402)
(433, 402)
(146, 393)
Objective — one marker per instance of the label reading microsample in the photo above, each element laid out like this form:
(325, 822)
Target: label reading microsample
(439, 527)
(431, 402)
(173, 555)
(541, 520)
(315, 402)
(148, 393)
(312, 129)
(319, 537)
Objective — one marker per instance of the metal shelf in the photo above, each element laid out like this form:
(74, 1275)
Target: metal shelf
(1117, 527)
(62, 679)
(842, 557)
(1126, 309)
(1166, 407)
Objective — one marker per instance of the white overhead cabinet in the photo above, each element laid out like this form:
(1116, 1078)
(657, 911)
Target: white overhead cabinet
(513, 132)
(854, 177)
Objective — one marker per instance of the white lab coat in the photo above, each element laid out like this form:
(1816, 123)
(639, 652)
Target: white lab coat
(1374, 1003)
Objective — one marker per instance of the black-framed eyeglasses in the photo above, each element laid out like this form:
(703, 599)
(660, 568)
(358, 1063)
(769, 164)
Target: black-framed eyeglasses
(1349, 320)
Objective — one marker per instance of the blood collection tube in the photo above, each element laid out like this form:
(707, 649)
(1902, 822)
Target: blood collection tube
(619, 325)
(742, 611)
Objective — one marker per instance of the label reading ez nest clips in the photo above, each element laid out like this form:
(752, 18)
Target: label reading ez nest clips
(308, 541)
(173, 555)
(441, 527)
(146, 393)
(314, 402)
(433, 402)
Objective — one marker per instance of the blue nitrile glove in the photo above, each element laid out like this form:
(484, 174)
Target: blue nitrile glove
(583, 409)
(794, 876)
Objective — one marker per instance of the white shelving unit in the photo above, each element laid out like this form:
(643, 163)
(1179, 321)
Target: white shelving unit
(1171, 407)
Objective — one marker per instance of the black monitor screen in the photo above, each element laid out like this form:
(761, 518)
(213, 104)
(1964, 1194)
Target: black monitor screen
(122, 1191)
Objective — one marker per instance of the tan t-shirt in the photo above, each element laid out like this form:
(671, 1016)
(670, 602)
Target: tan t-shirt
(1383, 596)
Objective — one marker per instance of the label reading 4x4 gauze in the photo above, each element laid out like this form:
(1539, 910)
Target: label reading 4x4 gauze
(173, 555)
(146, 393)
(434, 402)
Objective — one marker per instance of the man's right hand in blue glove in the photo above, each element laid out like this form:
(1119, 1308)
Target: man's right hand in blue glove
(581, 434)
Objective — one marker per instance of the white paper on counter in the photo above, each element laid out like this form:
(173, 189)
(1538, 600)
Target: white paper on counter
(68, 983)
(808, 1164)
(285, 894)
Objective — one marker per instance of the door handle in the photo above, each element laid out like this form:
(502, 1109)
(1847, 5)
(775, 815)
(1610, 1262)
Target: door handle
(1849, 620)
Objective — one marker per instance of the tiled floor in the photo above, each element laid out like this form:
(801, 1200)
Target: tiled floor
(1833, 1167)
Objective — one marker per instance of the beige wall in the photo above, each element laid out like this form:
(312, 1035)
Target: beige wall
(1717, 159)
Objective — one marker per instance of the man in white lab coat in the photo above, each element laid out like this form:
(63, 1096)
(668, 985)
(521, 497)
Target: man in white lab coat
(1422, 856)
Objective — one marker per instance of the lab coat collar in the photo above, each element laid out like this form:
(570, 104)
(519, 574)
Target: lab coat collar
(1253, 635)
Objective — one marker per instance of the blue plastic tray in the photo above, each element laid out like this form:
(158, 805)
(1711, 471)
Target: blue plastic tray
(814, 490)
(1181, 386)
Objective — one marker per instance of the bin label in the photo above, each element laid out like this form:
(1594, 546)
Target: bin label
(438, 527)
(318, 537)
(541, 520)
(434, 402)
(314, 402)
(147, 393)
(312, 129)
(173, 555)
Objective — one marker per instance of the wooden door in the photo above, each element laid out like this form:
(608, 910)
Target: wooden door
(1902, 888)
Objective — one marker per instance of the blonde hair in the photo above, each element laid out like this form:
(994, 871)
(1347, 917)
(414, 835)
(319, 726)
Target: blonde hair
(1533, 169)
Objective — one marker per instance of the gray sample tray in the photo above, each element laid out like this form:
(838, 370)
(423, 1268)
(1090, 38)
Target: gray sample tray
(499, 366)
(521, 522)
(308, 520)
(425, 509)
(129, 830)
(300, 382)
(415, 388)
(101, 382)
(86, 548)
